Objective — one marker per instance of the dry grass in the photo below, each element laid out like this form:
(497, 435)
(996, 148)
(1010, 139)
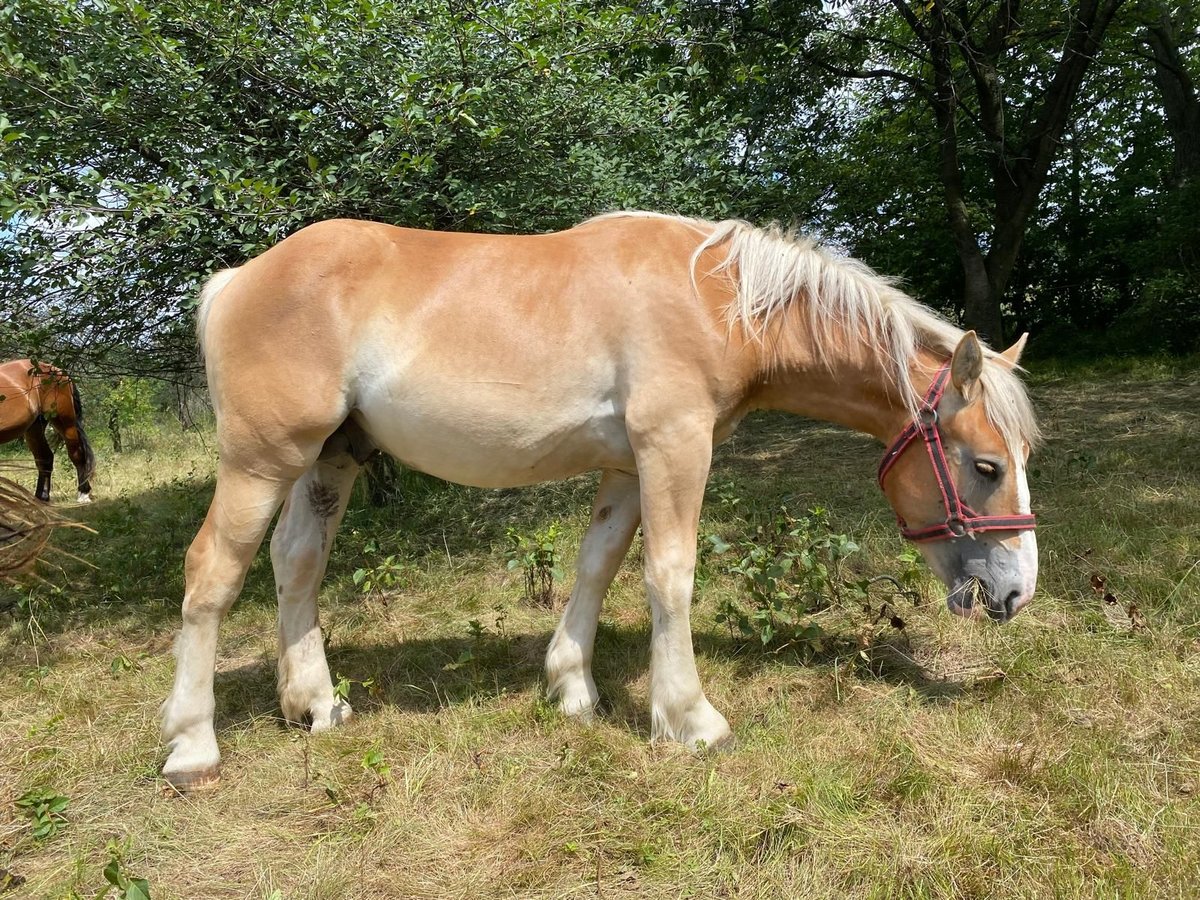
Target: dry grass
(25, 528)
(1058, 756)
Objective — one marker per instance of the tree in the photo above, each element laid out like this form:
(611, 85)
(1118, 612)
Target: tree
(148, 144)
(1176, 84)
(999, 79)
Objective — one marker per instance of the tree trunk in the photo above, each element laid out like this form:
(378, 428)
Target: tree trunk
(1178, 92)
(1019, 163)
(981, 305)
(114, 430)
(183, 408)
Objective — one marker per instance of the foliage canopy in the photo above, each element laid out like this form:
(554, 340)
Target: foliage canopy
(145, 145)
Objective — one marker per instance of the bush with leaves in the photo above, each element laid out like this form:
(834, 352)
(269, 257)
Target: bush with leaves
(790, 568)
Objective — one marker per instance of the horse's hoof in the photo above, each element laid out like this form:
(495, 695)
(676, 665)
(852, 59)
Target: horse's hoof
(84, 498)
(193, 782)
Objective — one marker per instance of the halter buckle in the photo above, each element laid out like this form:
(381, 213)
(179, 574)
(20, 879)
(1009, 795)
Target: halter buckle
(929, 416)
(957, 527)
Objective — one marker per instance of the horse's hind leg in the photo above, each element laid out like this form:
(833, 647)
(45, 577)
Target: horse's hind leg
(615, 516)
(216, 565)
(43, 457)
(299, 553)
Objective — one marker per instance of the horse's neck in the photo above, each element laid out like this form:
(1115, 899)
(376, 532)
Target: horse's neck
(857, 391)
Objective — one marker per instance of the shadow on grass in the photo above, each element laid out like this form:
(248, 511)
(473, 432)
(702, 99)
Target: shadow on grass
(137, 553)
(423, 675)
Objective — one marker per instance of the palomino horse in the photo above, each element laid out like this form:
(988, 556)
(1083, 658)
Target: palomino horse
(32, 396)
(630, 344)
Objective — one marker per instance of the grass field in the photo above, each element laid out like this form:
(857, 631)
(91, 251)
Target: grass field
(1058, 756)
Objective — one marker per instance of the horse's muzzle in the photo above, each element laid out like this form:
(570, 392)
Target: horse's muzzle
(975, 598)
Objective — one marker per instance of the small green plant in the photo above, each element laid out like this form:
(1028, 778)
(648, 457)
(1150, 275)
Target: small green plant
(44, 808)
(908, 578)
(341, 688)
(129, 887)
(465, 658)
(374, 761)
(481, 642)
(537, 558)
(384, 577)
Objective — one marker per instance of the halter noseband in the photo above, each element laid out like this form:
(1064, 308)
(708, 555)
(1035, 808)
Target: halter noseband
(960, 519)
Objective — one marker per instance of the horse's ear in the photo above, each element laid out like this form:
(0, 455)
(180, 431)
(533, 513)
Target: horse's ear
(1012, 356)
(967, 364)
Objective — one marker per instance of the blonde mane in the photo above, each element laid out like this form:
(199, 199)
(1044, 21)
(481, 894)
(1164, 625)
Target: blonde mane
(773, 270)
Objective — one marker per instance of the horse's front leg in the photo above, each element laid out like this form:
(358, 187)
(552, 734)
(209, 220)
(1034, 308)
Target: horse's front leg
(43, 457)
(615, 516)
(673, 462)
(299, 553)
(81, 457)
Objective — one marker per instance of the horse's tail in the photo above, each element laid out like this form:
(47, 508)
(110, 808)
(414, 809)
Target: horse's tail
(78, 401)
(208, 294)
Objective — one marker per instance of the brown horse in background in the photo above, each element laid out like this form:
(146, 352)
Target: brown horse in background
(32, 396)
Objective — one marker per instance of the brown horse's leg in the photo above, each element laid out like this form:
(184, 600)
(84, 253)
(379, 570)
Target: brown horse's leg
(43, 456)
(673, 461)
(615, 516)
(81, 457)
(216, 565)
(299, 553)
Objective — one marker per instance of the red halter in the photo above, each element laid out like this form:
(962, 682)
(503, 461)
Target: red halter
(960, 519)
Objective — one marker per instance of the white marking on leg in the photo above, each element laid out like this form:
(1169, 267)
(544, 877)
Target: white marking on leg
(615, 515)
(679, 710)
(299, 553)
(216, 566)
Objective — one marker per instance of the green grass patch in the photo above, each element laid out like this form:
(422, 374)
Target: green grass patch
(1057, 756)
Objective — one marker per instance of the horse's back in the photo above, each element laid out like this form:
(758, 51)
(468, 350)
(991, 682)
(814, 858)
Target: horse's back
(20, 396)
(489, 359)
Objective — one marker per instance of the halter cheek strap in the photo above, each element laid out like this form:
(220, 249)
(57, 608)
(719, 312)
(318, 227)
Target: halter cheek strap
(960, 519)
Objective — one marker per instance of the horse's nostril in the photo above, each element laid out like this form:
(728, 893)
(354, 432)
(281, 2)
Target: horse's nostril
(1011, 603)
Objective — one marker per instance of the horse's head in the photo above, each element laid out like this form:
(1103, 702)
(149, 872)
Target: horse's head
(956, 479)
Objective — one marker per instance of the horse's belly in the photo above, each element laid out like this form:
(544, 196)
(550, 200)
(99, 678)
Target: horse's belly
(497, 435)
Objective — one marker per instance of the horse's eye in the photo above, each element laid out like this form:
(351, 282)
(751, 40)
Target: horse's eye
(987, 469)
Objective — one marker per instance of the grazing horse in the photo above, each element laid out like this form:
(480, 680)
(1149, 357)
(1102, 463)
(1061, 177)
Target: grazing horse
(32, 396)
(630, 344)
